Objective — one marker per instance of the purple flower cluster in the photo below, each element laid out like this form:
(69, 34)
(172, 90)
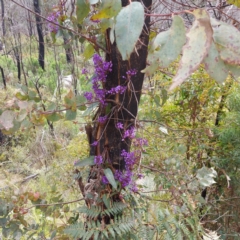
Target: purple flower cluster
(119, 125)
(130, 133)
(102, 119)
(129, 158)
(118, 89)
(140, 142)
(126, 177)
(131, 72)
(98, 160)
(88, 96)
(101, 70)
(84, 71)
(53, 17)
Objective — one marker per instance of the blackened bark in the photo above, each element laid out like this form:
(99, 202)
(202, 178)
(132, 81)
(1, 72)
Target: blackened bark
(68, 49)
(3, 18)
(3, 78)
(40, 33)
(127, 104)
(123, 108)
(30, 27)
(18, 60)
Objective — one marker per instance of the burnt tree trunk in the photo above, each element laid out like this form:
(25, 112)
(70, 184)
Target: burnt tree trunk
(40, 33)
(3, 78)
(121, 108)
(3, 18)
(68, 50)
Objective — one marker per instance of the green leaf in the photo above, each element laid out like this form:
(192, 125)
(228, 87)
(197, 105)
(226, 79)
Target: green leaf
(80, 100)
(88, 52)
(110, 177)
(70, 115)
(6, 119)
(52, 106)
(227, 38)
(214, 65)
(234, 2)
(105, 24)
(90, 109)
(21, 115)
(21, 96)
(32, 94)
(70, 100)
(108, 9)
(26, 124)
(85, 162)
(167, 46)
(235, 70)
(54, 117)
(129, 24)
(83, 10)
(199, 39)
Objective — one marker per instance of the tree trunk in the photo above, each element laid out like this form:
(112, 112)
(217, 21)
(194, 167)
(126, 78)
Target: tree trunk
(121, 108)
(30, 27)
(3, 18)
(3, 78)
(68, 49)
(40, 33)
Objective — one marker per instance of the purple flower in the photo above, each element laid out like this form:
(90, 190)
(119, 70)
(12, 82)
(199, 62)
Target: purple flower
(129, 158)
(119, 125)
(118, 89)
(53, 17)
(130, 133)
(88, 96)
(101, 70)
(102, 119)
(95, 143)
(124, 178)
(131, 72)
(134, 188)
(84, 71)
(105, 180)
(140, 142)
(98, 160)
(140, 175)
(96, 21)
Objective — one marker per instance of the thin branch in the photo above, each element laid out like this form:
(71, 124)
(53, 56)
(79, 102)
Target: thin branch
(54, 204)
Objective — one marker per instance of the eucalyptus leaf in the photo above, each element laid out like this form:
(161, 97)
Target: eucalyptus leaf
(129, 24)
(82, 11)
(70, 115)
(214, 65)
(108, 9)
(167, 46)
(7, 119)
(85, 162)
(110, 177)
(227, 38)
(199, 39)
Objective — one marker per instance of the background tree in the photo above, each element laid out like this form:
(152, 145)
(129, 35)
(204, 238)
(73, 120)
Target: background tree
(40, 33)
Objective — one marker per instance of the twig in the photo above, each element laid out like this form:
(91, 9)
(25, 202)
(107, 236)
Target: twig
(54, 204)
